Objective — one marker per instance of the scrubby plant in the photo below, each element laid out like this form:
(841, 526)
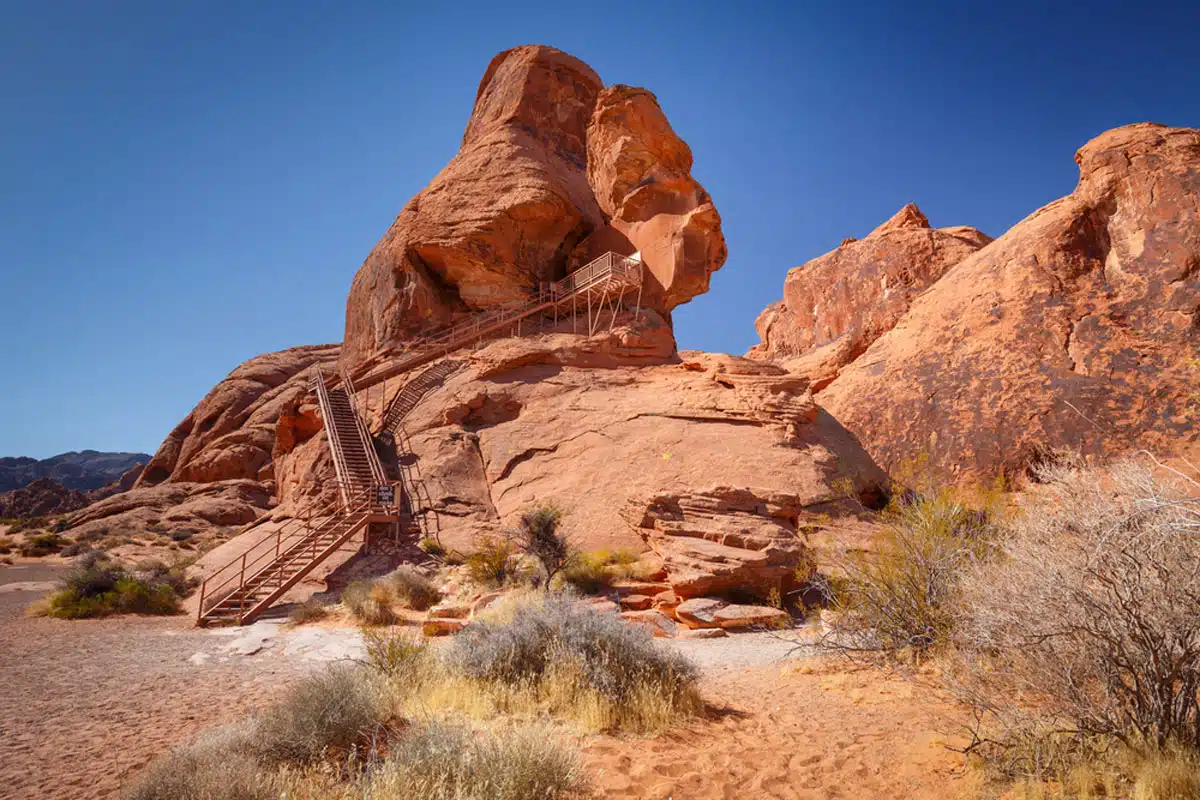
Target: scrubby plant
(899, 599)
(1086, 622)
(311, 610)
(397, 656)
(492, 563)
(43, 544)
(572, 657)
(218, 766)
(338, 713)
(589, 572)
(6, 545)
(369, 602)
(432, 547)
(412, 588)
(98, 587)
(440, 761)
(537, 535)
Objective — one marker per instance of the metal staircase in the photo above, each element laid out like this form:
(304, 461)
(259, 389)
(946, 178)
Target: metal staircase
(248, 585)
(355, 460)
(408, 397)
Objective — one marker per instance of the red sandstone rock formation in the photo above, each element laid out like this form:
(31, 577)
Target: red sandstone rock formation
(1079, 328)
(511, 209)
(836, 305)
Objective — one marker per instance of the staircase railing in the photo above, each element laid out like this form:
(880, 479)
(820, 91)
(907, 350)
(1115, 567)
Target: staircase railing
(280, 549)
(408, 397)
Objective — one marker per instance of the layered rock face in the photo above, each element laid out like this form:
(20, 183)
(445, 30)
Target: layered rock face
(1079, 328)
(549, 159)
(836, 305)
(82, 471)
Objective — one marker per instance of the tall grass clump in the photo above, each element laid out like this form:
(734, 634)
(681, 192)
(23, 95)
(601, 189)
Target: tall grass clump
(339, 713)
(899, 599)
(412, 588)
(217, 766)
(1086, 623)
(370, 602)
(572, 661)
(440, 761)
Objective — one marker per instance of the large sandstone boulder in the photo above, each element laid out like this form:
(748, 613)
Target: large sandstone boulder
(641, 173)
(1079, 328)
(836, 305)
(549, 158)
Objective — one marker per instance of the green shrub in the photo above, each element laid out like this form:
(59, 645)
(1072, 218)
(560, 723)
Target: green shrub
(439, 761)
(432, 547)
(537, 535)
(412, 588)
(589, 572)
(492, 563)
(75, 549)
(338, 713)
(218, 766)
(396, 656)
(28, 524)
(97, 587)
(311, 610)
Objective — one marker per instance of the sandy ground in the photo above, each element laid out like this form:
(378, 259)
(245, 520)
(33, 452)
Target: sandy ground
(84, 705)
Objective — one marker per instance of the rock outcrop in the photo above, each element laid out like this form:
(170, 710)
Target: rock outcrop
(836, 305)
(41, 498)
(548, 159)
(1079, 328)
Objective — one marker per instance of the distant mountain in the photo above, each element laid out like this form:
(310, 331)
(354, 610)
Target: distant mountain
(82, 471)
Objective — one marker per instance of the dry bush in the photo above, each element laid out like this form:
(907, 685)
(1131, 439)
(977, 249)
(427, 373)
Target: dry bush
(398, 657)
(900, 598)
(98, 587)
(574, 662)
(338, 713)
(217, 766)
(440, 761)
(1087, 623)
(412, 588)
(537, 536)
(311, 610)
(589, 572)
(370, 602)
(492, 563)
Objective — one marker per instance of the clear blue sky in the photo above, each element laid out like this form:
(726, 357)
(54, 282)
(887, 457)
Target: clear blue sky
(188, 184)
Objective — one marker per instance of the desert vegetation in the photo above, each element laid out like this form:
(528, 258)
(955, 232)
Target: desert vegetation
(1067, 627)
(98, 586)
(493, 715)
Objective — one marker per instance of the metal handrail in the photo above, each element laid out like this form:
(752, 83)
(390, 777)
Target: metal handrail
(279, 547)
(364, 435)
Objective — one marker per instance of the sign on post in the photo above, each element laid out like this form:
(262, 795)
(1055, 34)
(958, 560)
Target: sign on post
(385, 495)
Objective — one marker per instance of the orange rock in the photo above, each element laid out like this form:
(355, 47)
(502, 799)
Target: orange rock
(699, 612)
(835, 306)
(636, 602)
(656, 623)
(702, 633)
(740, 616)
(1078, 328)
(442, 626)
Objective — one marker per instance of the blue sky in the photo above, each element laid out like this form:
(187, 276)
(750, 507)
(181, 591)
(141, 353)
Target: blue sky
(188, 184)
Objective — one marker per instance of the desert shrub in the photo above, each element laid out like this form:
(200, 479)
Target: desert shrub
(60, 525)
(492, 563)
(97, 587)
(440, 761)
(1086, 622)
(537, 535)
(412, 588)
(899, 599)
(396, 656)
(218, 766)
(337, 713)
(370, 602)
(181, 535)
(75, 549)
(311, 610)
(572, 656)
(43, 544)
(155, 572)
(432, 547)
(6, 545)
(28, 524)
(589, 572)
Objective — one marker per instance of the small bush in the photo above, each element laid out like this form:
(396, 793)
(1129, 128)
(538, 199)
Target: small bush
(589, 572)
(899, 599)
(413, 589)
(311, 610)
(492, 563)
(97, 587)
(432, 547)
(537, 536)
(439, 761)
(6, 546)
(43, 544)
(338, 713)
(218, 766)
(396, 656)
(369, 602)
(29, 524)
(181, 535)
(75, 549)
(573, 657)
